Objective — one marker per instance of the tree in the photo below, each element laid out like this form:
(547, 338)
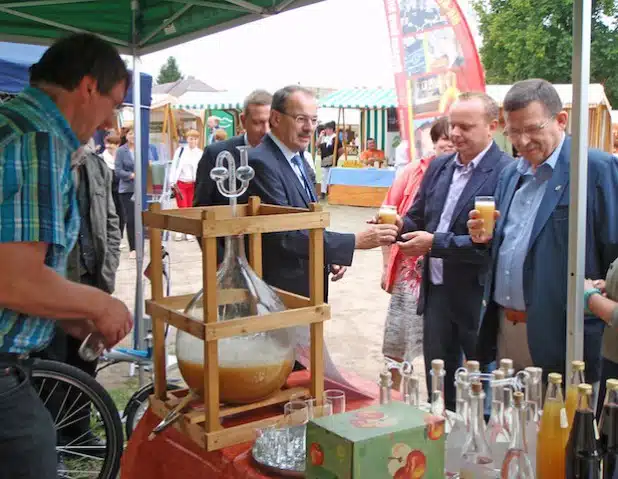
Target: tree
(534, 39)
(169, 72)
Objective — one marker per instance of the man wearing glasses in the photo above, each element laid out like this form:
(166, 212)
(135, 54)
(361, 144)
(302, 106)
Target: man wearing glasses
(282, 178)
(524, 305)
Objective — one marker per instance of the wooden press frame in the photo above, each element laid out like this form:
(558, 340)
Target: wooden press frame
(211, 223)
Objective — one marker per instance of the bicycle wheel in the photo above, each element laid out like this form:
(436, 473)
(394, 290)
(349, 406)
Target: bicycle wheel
(137, 405)
(77, 401)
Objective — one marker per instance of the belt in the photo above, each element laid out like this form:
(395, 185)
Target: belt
(515, 316)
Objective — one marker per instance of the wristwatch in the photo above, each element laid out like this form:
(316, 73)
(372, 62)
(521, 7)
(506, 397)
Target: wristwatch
(587, 294)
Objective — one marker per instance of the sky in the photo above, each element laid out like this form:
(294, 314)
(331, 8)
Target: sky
(333, 44)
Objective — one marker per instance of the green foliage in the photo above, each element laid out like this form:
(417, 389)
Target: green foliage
(534, 39)
(169, 72)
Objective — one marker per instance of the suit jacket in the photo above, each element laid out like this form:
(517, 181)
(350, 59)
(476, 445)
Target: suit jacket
(465, 263)
(545, 267)
(285, 257)
(103, 225)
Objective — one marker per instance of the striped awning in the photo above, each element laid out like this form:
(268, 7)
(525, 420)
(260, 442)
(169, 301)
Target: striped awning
(223, 100)
(361, 98)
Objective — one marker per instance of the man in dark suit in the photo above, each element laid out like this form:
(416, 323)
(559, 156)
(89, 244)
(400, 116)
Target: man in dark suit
(282, 178)
(254, 119)
(524, 306)
(435, 227)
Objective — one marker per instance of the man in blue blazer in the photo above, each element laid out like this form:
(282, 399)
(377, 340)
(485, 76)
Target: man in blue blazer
(282, 177)
(524, 305)
(435, 227)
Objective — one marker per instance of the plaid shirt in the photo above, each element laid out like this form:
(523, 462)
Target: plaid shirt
(37, 199)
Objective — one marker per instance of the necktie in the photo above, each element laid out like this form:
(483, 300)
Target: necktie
(297, 160)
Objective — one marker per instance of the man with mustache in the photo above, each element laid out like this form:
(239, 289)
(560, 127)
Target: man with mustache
(435, 227)
(282, 178)
(524, 306)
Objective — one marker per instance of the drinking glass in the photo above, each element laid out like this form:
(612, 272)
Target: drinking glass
(336, 398)
(486, 205)
(296, 415)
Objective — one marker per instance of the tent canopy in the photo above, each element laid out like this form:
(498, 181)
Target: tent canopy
(15, 60)
(387, 98)
(160, 23)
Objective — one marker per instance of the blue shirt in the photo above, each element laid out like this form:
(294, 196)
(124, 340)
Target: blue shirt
(38, 201)
(509, 278)
(461, 176)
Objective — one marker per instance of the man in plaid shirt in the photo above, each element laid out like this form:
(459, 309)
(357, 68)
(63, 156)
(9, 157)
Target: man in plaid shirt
(74, 88)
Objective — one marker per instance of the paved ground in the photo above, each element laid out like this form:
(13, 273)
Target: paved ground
(354, 334)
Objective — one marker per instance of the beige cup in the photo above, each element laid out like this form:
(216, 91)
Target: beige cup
(486, 206)
(388, 215)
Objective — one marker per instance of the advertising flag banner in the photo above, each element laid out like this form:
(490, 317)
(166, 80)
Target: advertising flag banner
(434, 59)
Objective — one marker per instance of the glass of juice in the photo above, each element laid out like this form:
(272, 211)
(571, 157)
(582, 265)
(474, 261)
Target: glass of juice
(486, 205)
(388, 214)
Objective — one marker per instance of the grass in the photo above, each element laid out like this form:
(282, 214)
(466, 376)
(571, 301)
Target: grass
(121, 395)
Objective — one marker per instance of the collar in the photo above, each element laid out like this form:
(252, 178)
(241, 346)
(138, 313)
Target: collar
(50, 109)
(525, 168)
(289, 154)
(475, 161)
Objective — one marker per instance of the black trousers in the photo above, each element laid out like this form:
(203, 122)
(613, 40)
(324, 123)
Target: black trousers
(27, 433)
(447, 335)
(117, 204)
(128, 206)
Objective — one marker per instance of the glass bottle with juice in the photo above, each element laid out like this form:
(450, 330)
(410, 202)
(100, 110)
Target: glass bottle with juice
(553, 432)
(582, 455)
(608, 429)
(577, 378)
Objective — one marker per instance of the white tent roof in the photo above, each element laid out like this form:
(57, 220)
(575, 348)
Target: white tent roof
(596, 94)
(221, 100)
(614, 114)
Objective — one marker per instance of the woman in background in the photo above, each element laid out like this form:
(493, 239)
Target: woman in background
(125, 171)
(112, 142)
(401, 276)
(183, 173)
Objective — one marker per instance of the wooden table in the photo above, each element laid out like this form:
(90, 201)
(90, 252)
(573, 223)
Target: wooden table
(171, 455)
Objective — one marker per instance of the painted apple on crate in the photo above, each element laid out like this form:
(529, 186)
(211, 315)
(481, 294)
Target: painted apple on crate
(406, 463)
(317, 454)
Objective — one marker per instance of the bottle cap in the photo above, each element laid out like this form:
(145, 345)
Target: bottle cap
(473, 366)
(498, 374)
(555, 378)
(506, 364)
(611, 384)
(584, 389)
(437, 364)
(477, 387)
(518, 398)
(578, 365)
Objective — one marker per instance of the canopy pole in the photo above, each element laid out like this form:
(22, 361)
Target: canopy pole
(582, 14)
(139, 333)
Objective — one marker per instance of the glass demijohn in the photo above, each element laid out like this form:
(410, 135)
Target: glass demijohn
(252, 366)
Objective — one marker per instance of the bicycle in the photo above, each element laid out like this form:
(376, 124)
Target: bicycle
(75, 398)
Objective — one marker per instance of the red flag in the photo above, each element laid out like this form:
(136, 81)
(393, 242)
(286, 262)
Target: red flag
(434, 59)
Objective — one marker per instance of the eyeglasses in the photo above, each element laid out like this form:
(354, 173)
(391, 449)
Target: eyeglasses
(529, 131)
(302, 119)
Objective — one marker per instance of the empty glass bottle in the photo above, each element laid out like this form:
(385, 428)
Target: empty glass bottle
(459, 430)
(506, 366)
(437, 388)
(497, 435)
(476, 455)
(533, 395)
(517, 464)
(385, 385)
